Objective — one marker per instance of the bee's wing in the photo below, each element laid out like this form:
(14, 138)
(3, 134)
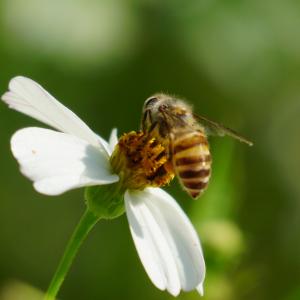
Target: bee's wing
(215, 128)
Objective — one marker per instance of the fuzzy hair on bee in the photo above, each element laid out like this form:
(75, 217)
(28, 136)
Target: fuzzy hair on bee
(172, 122)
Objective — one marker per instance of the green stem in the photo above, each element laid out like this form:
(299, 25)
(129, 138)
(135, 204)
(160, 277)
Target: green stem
(86, 223)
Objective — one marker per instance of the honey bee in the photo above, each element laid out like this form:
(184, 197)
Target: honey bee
(172, 122)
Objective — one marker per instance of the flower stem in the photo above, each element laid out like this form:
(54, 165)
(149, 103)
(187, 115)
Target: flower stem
(86, 223)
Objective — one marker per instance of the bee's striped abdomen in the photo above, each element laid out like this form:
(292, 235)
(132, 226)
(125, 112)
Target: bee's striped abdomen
(192, 161)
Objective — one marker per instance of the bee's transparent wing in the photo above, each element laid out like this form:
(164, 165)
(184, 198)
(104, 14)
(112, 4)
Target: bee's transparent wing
(214, 128)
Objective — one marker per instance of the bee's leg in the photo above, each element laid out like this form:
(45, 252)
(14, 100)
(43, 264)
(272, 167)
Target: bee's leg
(164, 128)
(153, 127)
(147, 121)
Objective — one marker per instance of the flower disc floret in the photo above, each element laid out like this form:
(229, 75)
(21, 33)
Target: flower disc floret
(141, 161)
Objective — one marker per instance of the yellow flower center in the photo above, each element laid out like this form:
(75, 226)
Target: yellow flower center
(141, 161)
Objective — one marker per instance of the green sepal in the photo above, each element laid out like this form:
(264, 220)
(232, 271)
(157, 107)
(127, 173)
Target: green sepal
(106, 201)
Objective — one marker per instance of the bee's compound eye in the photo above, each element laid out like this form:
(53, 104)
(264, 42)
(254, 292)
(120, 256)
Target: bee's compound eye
(150, 101)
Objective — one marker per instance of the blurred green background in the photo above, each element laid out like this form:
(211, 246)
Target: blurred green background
(237, 62)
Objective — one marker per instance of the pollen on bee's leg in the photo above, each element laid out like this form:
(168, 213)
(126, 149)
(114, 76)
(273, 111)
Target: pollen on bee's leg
(141, 161)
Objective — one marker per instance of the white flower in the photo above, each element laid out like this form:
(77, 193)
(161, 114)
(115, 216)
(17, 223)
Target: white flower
(56, 162)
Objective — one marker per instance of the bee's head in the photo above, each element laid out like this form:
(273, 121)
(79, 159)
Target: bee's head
(156, 102)
(160, 103)
(158, 107)
(154, 108)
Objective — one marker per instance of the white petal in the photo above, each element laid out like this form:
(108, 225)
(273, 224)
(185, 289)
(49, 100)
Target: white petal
(105, 145)
(58, 162)
(165, 237)
(113, 139)
(151, 244)
(28, 97)
(200, 289)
